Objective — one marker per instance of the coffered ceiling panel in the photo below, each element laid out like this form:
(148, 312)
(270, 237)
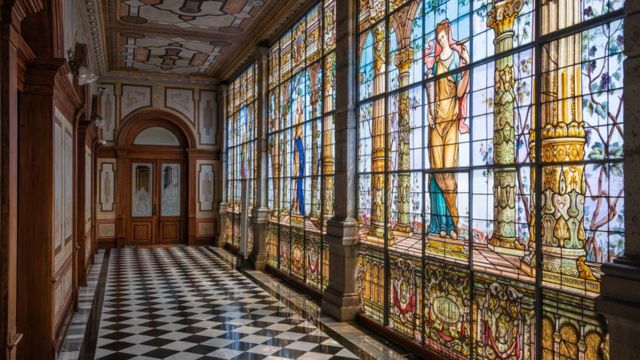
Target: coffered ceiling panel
(187, 39)
(166, 55)
(210, 15)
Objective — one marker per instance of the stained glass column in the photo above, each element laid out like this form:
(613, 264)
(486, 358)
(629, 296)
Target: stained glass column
(259, 255)
(314, 72)
(403, 61)
(327, 169)
(501, 19)
(341, 299)
(563, 138)
(403, 24)
(379, 152)
(222, 100)
(620, 291)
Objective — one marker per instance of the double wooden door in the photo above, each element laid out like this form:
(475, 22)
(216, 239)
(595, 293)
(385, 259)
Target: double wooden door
(157, 202)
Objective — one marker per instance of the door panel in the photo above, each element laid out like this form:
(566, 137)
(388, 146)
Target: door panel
(170, 231)
(157, 197)
(142, 232)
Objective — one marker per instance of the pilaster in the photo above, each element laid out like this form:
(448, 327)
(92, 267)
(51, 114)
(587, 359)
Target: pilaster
(260, 216)
(222, 101)
(619, 301)
(341, 299)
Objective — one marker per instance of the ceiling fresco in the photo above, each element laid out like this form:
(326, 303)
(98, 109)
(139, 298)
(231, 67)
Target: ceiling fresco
(197, 39)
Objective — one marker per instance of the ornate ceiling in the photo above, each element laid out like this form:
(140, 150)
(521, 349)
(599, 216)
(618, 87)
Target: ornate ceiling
(186, 40)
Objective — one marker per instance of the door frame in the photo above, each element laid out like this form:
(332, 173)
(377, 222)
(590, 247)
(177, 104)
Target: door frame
(127, 153)
(156, 157)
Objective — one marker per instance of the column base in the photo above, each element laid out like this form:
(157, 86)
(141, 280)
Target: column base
(341, 300)
(446, 246)
(507, 246)
(259, 256)
(259, 261)
(619, 302)
(342, 307)
(221, 239)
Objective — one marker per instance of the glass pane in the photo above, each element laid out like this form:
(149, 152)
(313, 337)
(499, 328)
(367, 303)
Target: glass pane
(141, 187)
(170, 190)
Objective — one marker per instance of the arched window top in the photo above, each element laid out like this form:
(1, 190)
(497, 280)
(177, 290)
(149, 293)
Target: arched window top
(156, 136)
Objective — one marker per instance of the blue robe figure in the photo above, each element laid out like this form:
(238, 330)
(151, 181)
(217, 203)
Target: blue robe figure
(300, 179)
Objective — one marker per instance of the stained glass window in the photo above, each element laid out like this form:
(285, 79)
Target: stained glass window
(485, 145)
(241, 148)
(300, 146)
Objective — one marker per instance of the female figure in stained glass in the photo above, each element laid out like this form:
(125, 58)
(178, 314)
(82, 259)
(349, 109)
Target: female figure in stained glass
(447, 110)
(298, 160)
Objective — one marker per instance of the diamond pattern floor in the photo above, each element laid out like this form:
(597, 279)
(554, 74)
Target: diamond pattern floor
(185, 303)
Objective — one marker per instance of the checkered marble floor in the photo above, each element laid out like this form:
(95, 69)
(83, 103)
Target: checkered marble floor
(186, 303)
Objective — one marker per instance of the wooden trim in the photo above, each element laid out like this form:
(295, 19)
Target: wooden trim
(204, 154)
(102, 151)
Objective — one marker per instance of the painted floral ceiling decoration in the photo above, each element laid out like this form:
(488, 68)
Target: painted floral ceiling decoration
(199, 39)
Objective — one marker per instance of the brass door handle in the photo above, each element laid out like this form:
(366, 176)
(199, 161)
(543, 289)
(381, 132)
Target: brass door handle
(14, 340)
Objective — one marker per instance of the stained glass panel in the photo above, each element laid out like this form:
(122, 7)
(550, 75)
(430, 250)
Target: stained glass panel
(301, 145)
(241, 140)
(447, 156)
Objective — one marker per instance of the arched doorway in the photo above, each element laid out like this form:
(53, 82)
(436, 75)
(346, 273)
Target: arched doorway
(153, 180)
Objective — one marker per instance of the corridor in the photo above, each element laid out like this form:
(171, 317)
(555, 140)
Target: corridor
(186, 303)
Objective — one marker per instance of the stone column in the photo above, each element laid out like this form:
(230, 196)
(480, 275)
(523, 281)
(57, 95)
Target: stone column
(341, 299)
(501, 19)
(222, 113)
(378, 130)
(620, 291)
(403, 61)
(259, 256)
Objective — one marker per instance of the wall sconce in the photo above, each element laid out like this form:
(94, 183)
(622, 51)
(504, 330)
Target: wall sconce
(78, 64)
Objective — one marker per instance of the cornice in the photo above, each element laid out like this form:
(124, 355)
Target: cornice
(25, 54)
(95, 24)
(22, 8)
(120, 76)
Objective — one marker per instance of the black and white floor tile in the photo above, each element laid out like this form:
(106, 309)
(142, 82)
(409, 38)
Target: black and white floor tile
(186, 303)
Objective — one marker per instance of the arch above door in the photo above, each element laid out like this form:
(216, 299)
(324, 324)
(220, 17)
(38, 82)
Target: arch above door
(176, 153)
(142, 120)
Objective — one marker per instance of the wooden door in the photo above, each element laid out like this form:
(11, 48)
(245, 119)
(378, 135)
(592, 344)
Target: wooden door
(157, 197)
